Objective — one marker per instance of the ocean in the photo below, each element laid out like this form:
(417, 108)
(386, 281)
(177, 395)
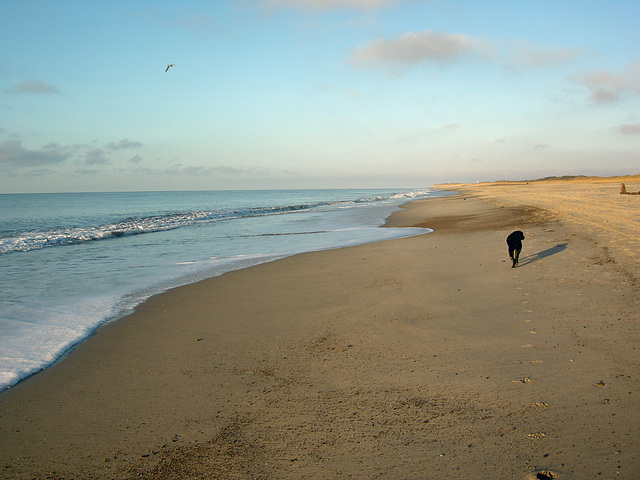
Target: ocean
(71, 262)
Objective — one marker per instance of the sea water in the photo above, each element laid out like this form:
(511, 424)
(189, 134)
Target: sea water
(70, 262)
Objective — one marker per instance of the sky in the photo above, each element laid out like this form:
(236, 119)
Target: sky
(270, 94)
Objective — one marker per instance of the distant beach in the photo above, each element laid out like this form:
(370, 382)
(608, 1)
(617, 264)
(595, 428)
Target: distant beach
(425, 357)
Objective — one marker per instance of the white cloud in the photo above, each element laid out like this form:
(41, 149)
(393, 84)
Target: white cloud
(528, 55)
(441, 47)
(32, 87)
(123, 144)
(611, 86)
(411, 48)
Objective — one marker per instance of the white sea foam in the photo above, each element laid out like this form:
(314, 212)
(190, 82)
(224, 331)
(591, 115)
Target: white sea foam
(72, 262)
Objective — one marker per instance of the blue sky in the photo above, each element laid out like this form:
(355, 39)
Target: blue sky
(314, 93)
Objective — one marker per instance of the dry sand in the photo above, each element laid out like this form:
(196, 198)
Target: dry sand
(421, 358)
(595, 206)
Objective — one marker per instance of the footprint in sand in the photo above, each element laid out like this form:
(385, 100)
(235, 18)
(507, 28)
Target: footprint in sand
(522, 380)
(542, 475)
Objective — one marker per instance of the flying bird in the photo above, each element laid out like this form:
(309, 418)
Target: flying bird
(169, 66)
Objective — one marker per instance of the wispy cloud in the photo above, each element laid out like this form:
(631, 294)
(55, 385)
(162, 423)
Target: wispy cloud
(533, 56)
(12, 153)
(413, 48)
(32, 87)
(86, 171)
(444, 48)
(96, 157)
(201, 171)
(328, 4)
(608, 86)
(123, 144)
(629, 129)
(218, 169)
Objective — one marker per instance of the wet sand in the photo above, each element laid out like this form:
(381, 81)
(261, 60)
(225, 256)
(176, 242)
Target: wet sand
(421, 358)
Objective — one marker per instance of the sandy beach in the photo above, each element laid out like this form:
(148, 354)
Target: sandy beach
(421, 358)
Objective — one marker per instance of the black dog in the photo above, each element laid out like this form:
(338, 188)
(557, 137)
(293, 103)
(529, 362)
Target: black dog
(514, 240)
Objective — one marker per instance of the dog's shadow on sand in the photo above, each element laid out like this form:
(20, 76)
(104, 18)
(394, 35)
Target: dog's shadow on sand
(543, 254)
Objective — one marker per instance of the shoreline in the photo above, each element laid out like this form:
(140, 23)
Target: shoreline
(423, 357)
(117, 297)
(130, 310)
